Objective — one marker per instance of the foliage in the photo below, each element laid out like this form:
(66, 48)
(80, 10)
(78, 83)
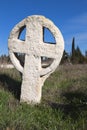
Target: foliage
(73, 46)
(65, 58)
(76, 56)
(63, 105)
(4, 59)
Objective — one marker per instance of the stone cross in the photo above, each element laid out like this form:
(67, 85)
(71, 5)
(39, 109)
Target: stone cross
(34, 47)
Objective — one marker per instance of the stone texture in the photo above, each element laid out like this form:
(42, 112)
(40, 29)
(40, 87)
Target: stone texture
(34, 48)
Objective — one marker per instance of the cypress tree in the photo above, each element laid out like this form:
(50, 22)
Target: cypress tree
(73, 51)
(73, 45)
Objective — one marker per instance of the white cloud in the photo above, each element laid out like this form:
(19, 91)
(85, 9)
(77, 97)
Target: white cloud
(76, 24)
(81, 19)
(81, 37)
(76, 27)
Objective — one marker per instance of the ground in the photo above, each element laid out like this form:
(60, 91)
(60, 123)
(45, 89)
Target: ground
(63, 105)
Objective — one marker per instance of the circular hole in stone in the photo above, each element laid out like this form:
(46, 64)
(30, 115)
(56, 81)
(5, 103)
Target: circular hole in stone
(21, 58)
(22, 33)
(22, 36)
(46, 62)
(48, 36)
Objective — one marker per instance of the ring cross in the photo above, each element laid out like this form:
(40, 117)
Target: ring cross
(34, 48)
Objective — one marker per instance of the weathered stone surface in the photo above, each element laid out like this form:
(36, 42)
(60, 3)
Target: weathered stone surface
(34, 48)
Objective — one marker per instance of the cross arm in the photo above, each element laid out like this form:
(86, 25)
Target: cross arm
(16, 45)
(49, 50)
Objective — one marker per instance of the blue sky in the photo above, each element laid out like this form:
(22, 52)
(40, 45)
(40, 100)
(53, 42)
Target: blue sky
(70, 16)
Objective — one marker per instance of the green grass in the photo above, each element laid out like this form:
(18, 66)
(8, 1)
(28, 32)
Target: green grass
(63, 105)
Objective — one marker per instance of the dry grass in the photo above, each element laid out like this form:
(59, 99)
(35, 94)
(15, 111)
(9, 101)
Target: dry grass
(63, 105)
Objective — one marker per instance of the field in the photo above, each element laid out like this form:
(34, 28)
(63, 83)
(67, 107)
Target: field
(63, 105)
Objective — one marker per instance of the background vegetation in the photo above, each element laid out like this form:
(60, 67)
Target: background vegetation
(75, 56)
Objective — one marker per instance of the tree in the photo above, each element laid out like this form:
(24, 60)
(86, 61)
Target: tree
(79, 56)
(73, 45)
(76, 55)
(73, 51)
(65, 58)
(86, 53)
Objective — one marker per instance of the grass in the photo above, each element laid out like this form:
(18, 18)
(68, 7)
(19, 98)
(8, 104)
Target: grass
(63, 105)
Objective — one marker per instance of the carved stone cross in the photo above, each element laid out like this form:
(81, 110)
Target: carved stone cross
(34, 48)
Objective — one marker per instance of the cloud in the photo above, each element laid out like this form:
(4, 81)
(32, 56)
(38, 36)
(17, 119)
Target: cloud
(77, 24)
(80, 19)
(76, 27)
(81, 37)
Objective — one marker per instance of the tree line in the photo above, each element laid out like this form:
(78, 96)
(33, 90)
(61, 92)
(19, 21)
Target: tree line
(75, 56)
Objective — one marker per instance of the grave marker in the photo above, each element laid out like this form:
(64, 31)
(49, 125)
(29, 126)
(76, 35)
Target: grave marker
(33, 74)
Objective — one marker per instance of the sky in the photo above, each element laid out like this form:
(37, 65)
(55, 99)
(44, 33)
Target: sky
(70, 16)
